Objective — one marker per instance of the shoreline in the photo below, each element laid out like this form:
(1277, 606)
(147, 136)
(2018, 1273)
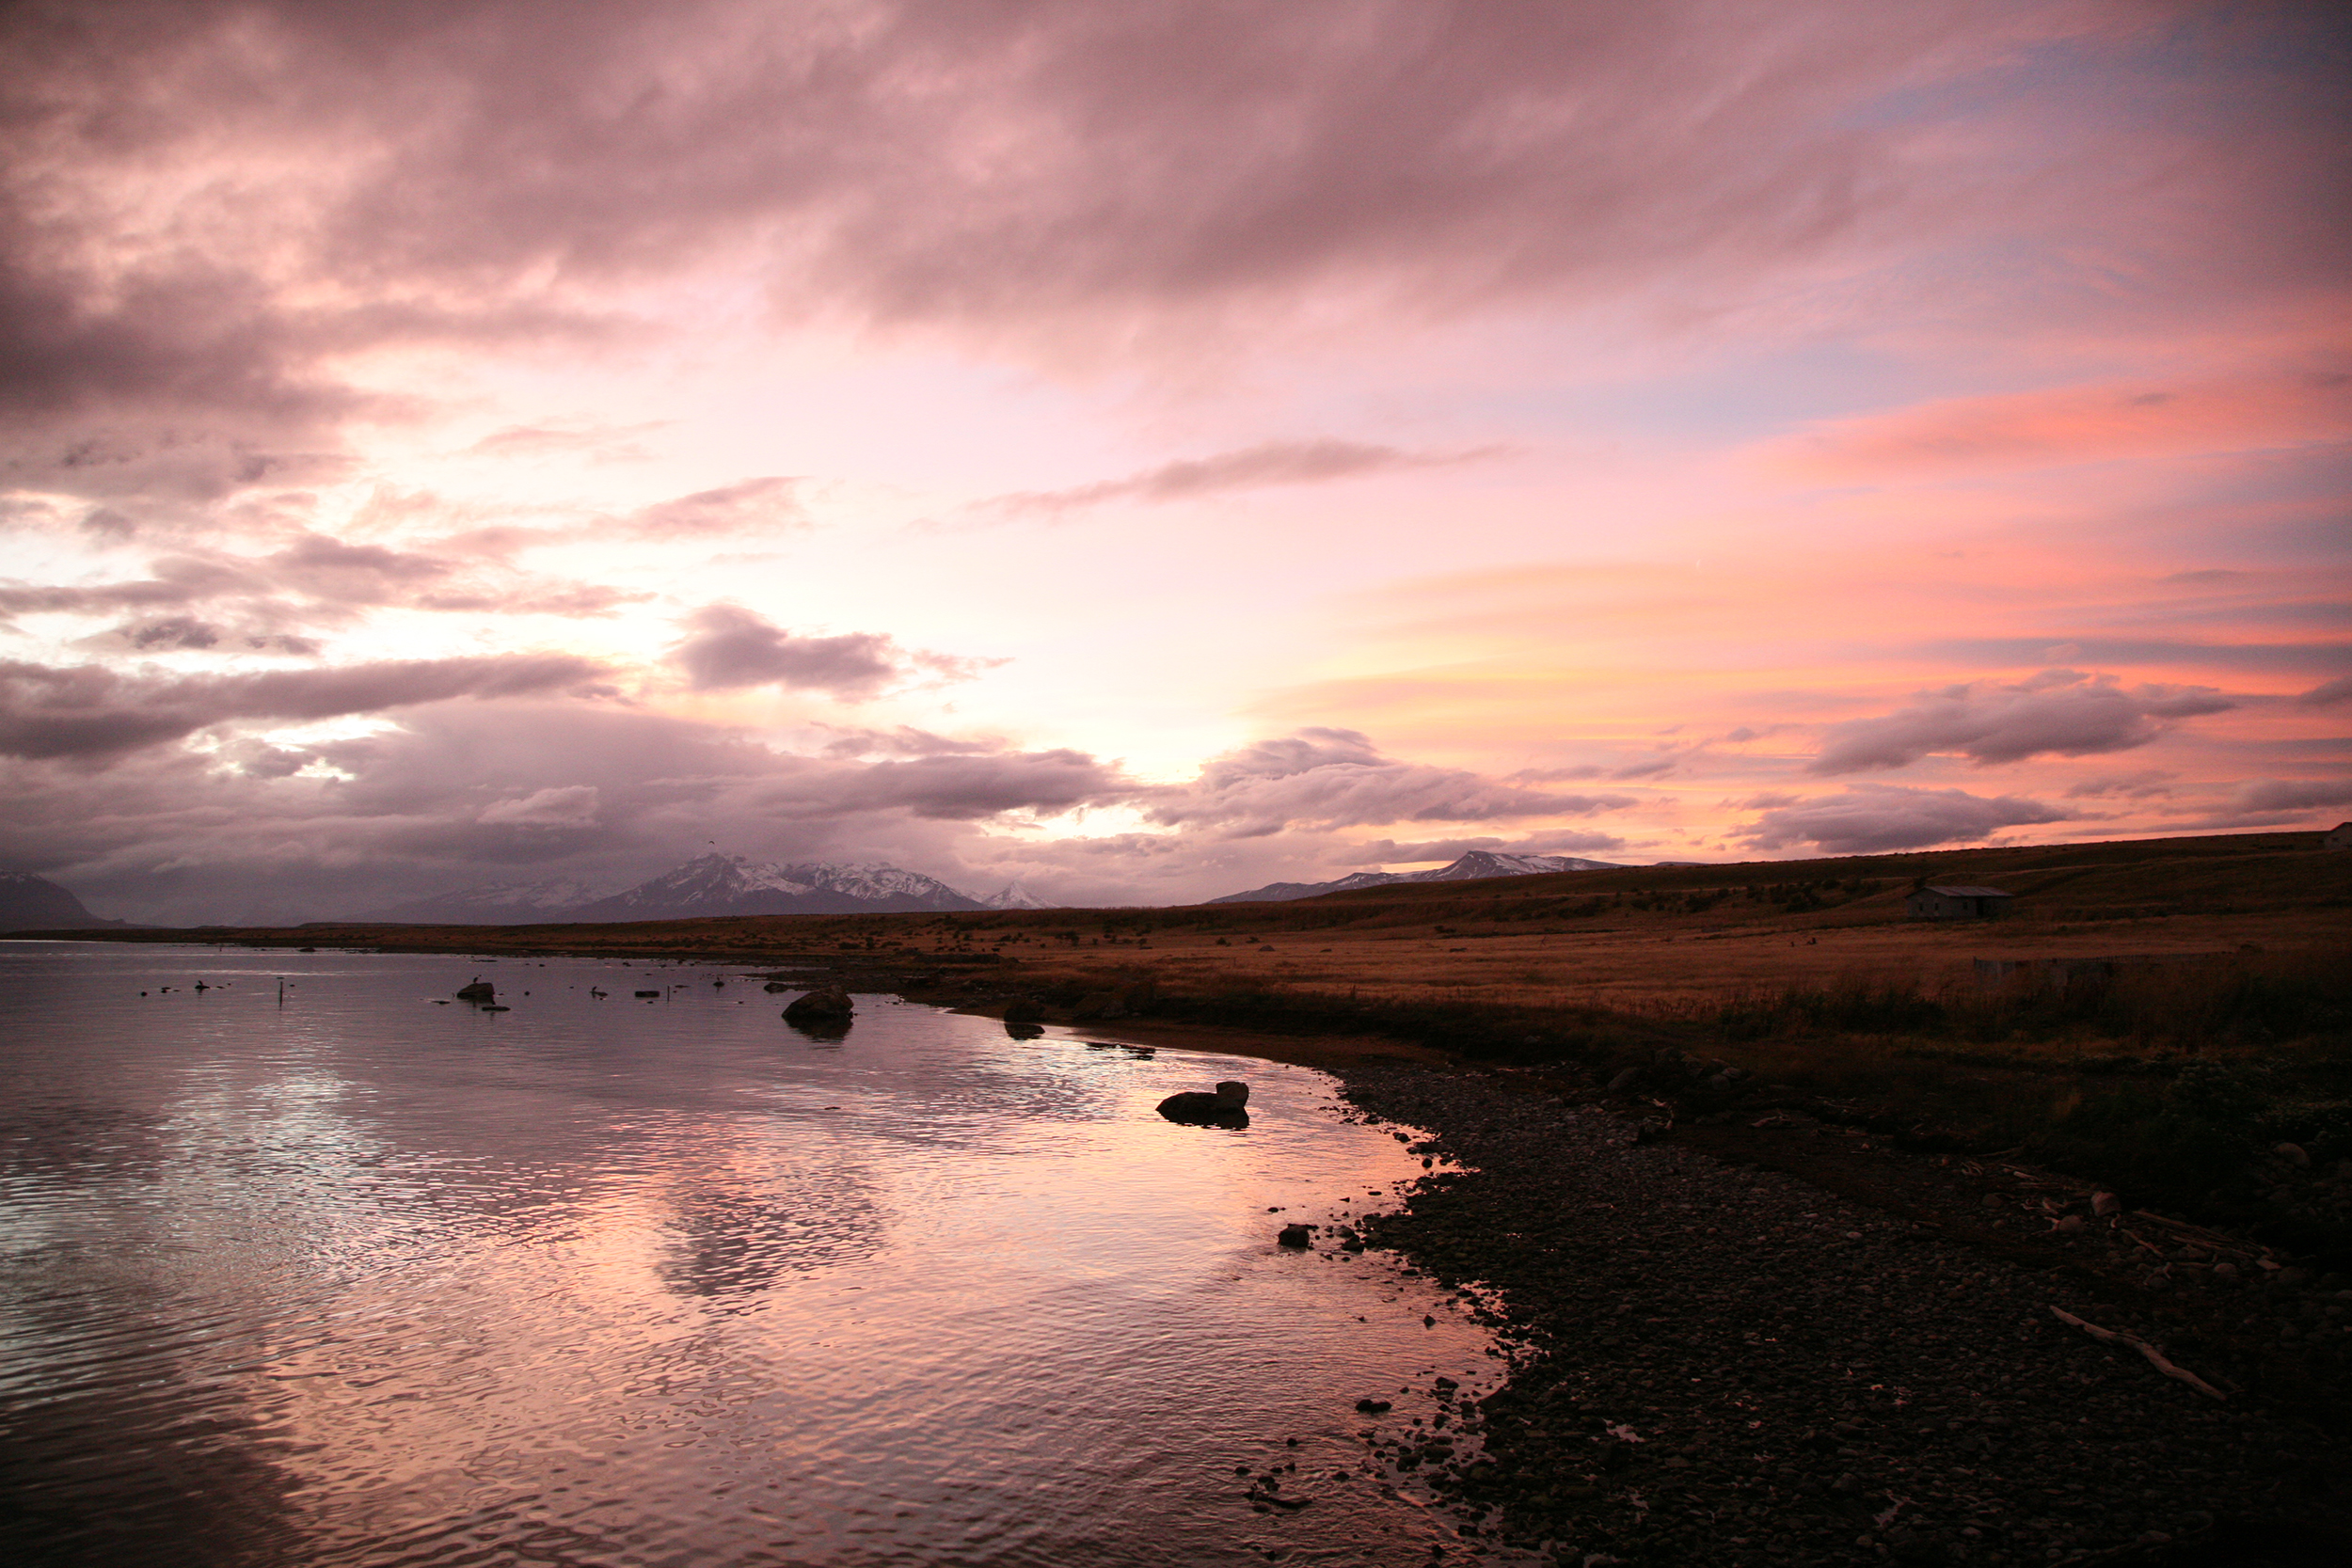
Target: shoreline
(1724, 1364)
(1815, 1337)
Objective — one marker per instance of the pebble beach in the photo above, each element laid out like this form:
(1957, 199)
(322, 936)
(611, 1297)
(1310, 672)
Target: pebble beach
(1714, 1363)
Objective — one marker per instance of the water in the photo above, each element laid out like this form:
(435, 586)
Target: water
(367, 1280)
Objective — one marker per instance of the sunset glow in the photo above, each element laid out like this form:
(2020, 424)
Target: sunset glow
(1150, 450)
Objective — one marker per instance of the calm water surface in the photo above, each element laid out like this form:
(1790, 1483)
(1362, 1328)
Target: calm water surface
(369, 1279)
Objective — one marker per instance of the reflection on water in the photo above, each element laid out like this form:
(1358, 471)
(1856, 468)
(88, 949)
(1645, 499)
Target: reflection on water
(365, 1279)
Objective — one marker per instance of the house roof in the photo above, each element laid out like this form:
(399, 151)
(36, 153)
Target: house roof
(1949, 892)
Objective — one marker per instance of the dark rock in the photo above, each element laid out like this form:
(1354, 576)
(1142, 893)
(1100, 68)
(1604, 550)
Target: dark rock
(1374, 1407)
(479, 991)
(1296, 1235)
(1227, 1107)
(1024, 1031)
(1100, 1005)
(775, 986)
(829, 1006)
(1625, 1080)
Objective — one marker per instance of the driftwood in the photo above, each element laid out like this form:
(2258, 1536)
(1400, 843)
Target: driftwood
(2198, 1235)
(2155, 1357)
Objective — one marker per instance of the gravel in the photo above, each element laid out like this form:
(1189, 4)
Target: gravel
(1715, 1364)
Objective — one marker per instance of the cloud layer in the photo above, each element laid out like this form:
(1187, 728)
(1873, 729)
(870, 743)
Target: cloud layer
(2058, 712)
(469, 437)
(1868, 819)
(91, 712)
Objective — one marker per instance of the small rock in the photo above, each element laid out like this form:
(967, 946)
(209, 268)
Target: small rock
(1296, 1235)
(2293, 1154)
(2105, 1205)
(1625, 1080)
(1374, 1407)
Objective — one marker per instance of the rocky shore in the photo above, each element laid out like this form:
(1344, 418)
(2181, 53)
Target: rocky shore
(1720, 1363)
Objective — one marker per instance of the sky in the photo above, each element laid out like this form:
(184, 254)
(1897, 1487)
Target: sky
(1148, 450)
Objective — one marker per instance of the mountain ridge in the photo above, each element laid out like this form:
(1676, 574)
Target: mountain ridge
(30, 903)
(708, 885)
(1474, 865)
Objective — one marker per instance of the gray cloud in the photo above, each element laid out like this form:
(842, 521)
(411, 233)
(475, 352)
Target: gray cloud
(1765, 801)
(317, 580)
(91, 712)
(1270, 463)
(2147, 784)
(179, 580)
(904, 742)
(2328, 693)
(329, 569)
(478, 166)
(2058, 711)
(1866, 820)
(455, 794)
(2269, 796)
(1322, 778)
(955, 788)
(730, 646)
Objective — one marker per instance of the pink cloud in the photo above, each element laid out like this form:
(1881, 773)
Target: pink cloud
(1977, 437)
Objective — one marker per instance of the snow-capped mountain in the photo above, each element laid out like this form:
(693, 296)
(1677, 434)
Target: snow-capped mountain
(494, 904)
(1473, 867)
(713, 885)
(1012, 895)
(1488, 863)
(729, 884)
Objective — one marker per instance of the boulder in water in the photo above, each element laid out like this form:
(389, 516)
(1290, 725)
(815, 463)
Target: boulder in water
(831, 1005)
(477, 991)
(1227, 1107)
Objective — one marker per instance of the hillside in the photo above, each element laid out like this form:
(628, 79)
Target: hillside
(29, 903)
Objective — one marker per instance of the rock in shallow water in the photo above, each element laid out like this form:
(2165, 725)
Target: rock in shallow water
(829, 1006)
(1227, 1107)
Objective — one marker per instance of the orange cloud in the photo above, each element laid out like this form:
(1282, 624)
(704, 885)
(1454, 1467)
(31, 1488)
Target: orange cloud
(2061, 426)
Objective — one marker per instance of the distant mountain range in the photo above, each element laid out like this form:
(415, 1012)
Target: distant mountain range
(30, 903)
(1472, 868)
(712, 885)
